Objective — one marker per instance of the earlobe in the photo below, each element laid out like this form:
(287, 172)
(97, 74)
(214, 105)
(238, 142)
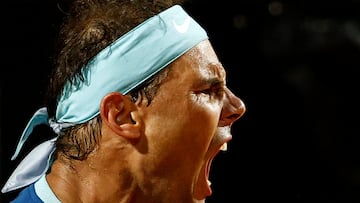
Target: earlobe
(117, 112)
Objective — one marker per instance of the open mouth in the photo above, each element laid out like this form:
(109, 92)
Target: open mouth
(203, 186)
(223, 147)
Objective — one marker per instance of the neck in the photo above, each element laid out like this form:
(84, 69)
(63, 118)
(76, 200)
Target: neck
(95, 180)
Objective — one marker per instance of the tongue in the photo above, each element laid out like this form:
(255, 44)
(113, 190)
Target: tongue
(202, 188)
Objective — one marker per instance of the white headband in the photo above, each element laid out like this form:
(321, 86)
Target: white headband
(121, 67)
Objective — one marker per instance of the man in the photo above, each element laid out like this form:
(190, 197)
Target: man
(139, 106)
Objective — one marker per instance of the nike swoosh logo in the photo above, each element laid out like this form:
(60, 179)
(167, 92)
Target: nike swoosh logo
(182, 28)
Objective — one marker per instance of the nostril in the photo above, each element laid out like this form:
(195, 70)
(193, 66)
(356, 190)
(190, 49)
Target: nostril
(234, 116)
(228, 120)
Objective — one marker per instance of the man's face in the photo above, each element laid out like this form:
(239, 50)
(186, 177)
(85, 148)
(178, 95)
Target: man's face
(186, 124)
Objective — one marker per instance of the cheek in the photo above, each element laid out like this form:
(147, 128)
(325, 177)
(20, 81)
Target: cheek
(206, 112)
(184, 128)
(202, 120)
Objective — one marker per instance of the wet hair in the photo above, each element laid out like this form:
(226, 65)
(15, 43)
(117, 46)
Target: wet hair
(88, 27)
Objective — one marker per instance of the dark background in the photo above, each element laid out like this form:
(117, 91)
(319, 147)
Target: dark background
(295, 64)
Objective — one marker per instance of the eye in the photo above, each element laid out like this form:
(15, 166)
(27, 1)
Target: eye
(211, 89)
(206, 91)
(214, 92)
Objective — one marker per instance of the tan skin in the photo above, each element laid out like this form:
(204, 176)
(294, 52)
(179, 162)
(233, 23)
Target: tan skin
(159, 153)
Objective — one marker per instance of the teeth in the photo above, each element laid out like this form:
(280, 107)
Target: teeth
(223, 147)
(208, 182)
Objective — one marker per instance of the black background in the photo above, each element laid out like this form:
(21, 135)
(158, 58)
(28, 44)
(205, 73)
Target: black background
(295, 64)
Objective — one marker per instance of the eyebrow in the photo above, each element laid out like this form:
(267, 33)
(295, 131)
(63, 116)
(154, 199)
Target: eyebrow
(210, 82)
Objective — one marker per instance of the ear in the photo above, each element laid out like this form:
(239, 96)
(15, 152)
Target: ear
(116, 111)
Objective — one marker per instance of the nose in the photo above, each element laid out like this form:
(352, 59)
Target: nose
(233, 109)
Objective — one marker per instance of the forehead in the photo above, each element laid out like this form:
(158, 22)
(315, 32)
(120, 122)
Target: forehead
(203, 60)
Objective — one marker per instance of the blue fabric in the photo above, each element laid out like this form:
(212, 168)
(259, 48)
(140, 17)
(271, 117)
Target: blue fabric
(40, 117)
(129, 61)
(27, 195)
(32, 167)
